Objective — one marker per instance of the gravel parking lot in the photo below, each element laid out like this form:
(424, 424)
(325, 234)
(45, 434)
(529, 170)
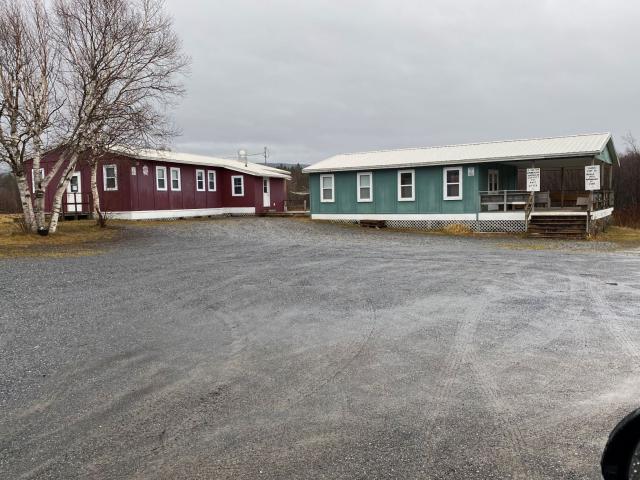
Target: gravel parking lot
(279, 348)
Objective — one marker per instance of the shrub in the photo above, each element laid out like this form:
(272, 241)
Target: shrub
(627, 217)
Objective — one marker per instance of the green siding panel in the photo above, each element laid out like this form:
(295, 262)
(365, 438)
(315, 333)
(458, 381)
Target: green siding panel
(385, 191)
(428, 193)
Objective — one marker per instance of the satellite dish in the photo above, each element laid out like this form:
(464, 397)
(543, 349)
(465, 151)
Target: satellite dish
(242, 156)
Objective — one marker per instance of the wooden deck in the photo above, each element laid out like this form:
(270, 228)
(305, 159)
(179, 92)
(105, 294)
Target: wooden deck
(568, 201)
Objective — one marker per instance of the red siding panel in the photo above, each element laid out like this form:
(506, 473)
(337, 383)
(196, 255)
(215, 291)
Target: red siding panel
(139, 193)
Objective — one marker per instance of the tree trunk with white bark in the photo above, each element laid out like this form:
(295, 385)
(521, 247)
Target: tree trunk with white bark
(60, 191)
(25, 199)
(95, 194)
(39, 186)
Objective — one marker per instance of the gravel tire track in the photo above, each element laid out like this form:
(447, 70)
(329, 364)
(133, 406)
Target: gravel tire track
(457, 357)
(612, 322)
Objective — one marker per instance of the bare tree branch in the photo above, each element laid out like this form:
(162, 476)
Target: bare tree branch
(27, 71)
(124, 67)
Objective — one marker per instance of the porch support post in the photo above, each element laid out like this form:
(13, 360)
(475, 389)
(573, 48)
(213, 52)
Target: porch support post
(533, 194)
(593, 162)
(610, 192)
(562, 187)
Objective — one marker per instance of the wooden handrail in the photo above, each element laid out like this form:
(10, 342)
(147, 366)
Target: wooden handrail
(528, 208)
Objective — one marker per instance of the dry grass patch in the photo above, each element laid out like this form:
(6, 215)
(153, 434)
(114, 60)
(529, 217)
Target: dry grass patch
(457, 229)
(622, 236)
(165, 221)
(81, 237)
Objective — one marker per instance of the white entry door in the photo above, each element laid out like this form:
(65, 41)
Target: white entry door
(266, 192)
(74, 193)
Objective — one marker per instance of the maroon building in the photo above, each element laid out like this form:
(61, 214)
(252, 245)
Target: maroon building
(162, 184)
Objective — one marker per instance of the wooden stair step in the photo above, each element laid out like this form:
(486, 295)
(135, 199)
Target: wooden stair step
(373, 223)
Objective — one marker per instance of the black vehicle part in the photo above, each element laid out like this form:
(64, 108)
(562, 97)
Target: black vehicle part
(620, 448)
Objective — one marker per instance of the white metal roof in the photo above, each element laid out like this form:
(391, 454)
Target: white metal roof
(206, 161)
(512, 150)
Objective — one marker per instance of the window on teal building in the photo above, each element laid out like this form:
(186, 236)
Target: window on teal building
(327, 187)
(452, 187)
(406, 185)
(365, 183)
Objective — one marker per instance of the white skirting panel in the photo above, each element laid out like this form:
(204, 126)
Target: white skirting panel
(180, 213)
(501, 216)
(393, 216)
(453, 217)
(485, 222)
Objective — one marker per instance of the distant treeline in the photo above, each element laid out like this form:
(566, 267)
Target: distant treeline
(9, 196)
(298, 185)
(626, 185)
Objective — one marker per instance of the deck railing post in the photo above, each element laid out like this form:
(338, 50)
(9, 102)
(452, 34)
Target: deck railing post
(505, 201)
(533, 201)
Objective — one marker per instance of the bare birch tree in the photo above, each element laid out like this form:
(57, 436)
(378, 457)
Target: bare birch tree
(27, 67)
(124, 67)
(119, 64)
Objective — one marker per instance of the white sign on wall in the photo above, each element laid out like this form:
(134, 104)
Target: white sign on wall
(533, 179)
(471, 171)
(592, 177)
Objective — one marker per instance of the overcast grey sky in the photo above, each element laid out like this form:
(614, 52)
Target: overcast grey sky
(314, 78)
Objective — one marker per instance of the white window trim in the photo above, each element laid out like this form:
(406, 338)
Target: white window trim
(215, 181)
(33, 178)
(370, 175)
(333, 188)
(204, 180)
(413, 186)
(444, 183)
(233, 188)
(171, 170)
(104, 178)
(166, 180)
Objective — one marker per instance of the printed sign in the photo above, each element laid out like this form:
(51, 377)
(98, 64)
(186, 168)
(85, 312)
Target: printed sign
(533, 179)
(471, 171)
(592, 177)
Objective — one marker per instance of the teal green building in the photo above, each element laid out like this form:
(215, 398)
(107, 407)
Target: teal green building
(487, 186)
